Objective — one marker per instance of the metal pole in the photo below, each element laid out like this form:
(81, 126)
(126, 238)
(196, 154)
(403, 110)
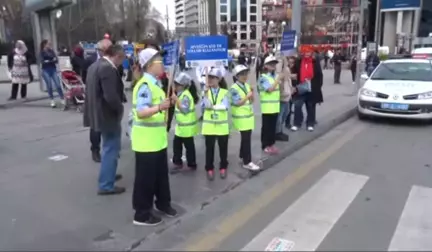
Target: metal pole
(296, 18)
(378, 25)
(211, 4)
(363, 4)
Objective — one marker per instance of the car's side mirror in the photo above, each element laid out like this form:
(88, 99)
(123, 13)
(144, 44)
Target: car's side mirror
(364, 76)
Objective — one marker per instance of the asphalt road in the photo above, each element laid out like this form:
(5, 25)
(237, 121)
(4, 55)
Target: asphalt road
(364, 186)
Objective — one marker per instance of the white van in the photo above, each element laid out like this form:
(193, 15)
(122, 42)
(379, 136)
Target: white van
(422, 53)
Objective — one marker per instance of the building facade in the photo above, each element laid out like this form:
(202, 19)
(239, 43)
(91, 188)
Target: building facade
(191, 10)
(180, 13)
(242, 17)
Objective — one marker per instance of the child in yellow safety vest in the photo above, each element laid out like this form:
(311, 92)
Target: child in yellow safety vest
(215, 125)
(187, 122)
(242, 114)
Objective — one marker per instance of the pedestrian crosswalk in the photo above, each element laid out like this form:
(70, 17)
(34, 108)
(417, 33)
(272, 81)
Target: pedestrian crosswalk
(305, 224)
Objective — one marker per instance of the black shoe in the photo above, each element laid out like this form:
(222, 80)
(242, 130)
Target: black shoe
(169, 211)
(11, 99)
(96, 156)
(118, 177)
(116, 190)
(151, 220)
(282, 137)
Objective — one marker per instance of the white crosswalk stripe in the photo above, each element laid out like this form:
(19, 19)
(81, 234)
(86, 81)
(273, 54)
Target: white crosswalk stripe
(414, 229)
(304, 225)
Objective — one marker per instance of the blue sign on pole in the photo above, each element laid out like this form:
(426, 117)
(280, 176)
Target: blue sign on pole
(288, 43)
(129, 49)
(391, 5)
(171, 55)
(206, 51)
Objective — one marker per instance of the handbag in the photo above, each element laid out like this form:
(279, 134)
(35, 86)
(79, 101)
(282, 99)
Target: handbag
(304, 87)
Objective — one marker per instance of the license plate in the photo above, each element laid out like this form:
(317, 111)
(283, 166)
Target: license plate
(394, 106)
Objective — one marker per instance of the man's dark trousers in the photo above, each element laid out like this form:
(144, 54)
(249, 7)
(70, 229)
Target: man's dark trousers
(337, 73)
(95, 141)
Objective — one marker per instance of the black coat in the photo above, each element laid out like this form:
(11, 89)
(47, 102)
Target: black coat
(103, 107)
(316, 82)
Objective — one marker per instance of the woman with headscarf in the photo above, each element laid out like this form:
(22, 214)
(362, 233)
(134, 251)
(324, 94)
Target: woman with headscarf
(19, 68)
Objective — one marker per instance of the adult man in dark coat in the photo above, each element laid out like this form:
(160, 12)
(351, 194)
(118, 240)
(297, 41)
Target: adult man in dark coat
(309, 99)
(103, 113)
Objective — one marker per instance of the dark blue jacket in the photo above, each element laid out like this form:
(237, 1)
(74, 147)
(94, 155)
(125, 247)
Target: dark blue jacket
(49, 60)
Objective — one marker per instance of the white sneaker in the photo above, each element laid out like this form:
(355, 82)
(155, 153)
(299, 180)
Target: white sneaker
(53, 104)
(353, 83)
(294, 128)
(310, 128)
(251, 166)
(183, 158)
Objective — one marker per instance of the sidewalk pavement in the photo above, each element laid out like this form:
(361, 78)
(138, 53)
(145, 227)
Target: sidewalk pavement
(48, 181)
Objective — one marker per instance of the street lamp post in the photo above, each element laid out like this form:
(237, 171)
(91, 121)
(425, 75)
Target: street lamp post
(363, 5)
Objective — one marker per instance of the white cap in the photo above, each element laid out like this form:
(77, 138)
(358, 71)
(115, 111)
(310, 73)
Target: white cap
(240, 68)
(216, 72)
(183, 79)
(146, 55)
(270, 59)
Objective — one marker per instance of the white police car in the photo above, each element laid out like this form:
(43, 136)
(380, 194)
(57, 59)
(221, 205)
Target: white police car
(398, 88)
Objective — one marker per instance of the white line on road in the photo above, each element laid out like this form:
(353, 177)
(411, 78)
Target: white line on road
(414, 229)
(308, 220)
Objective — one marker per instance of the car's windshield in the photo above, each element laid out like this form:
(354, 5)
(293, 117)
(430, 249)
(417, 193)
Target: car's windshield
(415, 71)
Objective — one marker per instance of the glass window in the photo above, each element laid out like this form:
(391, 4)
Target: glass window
(224, 18)
(253, 32)
(252, 1)
(223, 9)
(223, 1)
(243, 36)
(253, 9)
(253, 18)
(233, 9)
(243, 28)
(415, 71)
(243, 11)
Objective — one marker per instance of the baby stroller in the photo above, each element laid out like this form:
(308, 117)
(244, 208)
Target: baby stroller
(74, 89)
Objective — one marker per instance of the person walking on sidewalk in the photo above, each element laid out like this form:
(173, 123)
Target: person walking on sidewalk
(353, 67)
(308, 91)
(337, 60)
(269, 92)
(242, 114)
(103, 112)
(19, 67)
(215, 125)
(149, 140)
(285, 98)
(49, 72)
(187, 122)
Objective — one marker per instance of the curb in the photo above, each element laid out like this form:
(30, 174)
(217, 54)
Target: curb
(323, 128)
(268, 162)
(9, 105)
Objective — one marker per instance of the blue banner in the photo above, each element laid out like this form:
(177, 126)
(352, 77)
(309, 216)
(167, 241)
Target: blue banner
(171, 55)
(288, 42)
(206, 51)
(400, 4)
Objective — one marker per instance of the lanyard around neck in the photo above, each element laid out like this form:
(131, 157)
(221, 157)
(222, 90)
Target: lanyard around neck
(214, 96)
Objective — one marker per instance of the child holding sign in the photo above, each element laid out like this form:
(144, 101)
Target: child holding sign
(187, 124)
(215, 125)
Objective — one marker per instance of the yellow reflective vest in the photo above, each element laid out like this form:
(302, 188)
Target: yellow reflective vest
(215, 122)
(149, 134)
(242, 116)
(187, 124)
(270, 101)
